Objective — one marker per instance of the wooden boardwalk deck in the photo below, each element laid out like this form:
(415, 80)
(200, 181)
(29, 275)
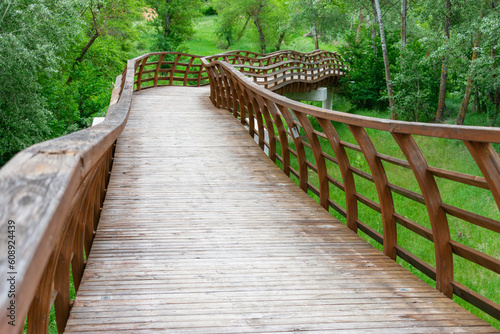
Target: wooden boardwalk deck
(202, 233)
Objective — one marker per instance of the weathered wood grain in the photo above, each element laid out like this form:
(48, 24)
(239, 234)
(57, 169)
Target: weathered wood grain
(201, 233)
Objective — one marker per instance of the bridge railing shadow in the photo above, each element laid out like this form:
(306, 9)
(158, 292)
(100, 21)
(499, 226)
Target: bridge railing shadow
(304, 142)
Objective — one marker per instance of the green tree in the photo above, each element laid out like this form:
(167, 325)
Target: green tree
(105, 18)
(34, 37)
(174, 22)
(325, 19)
(270, 19)
(364, 83)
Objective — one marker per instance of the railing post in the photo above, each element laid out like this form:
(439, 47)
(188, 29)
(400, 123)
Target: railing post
(282, 135)
(347, 176)
(172, 70)
(269, 127)
(299, 147)
(437, 216)
(324, 189)
(383, 191)
(157, 71)
(139, 75)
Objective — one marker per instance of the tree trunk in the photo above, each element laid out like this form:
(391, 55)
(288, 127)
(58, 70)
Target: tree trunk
(360, 22)
(476, 107)
(256, 21)
(261, 34)
(374, 30)
(167, 20)
(314, 30)
(280, 40)
(82, 54)
(468, 87)
(386, 61)
(404, 12)
(444, 66)
(240, 35)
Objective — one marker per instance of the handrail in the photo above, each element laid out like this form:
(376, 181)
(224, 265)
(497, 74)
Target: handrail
(286, 71)
(52, 195)
(155, 68)
(288, 123)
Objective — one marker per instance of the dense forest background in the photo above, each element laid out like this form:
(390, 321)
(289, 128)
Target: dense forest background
(415, 60)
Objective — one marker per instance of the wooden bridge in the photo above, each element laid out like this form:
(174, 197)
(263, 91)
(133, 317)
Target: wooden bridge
(169, 217)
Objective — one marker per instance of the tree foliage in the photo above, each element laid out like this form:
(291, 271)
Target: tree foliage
(34, 36)
(174, 22)
(58, 62)
(266, 20)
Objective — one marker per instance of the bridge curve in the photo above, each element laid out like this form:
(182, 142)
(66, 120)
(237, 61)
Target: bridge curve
(56, 189)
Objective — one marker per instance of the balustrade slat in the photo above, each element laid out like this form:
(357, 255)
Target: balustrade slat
(437, 216)
(282, 135)
(300, 153)
(383, 190)
(346, 174)
(473, 218)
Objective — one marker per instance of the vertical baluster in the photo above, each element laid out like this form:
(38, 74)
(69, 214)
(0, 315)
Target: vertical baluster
(139, 75)
(225, 90)
(38, 314)
(234, 95)
(62, 275)
(282, 134)
(320, 159)
(258, 117)
(78, 261)
(437, 216)
(172, 70)
(269, 127)
(299, 147)
(157, 71)
(188, 68)
(243, 103)
(251, 113)
(347, 176)
(383, 191)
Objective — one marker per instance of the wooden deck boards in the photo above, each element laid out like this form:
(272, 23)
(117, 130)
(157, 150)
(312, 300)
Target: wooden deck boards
(202, 233)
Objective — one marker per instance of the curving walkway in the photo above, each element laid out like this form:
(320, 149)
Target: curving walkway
(202, 233)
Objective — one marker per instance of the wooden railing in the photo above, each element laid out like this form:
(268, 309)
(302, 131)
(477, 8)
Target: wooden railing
(168, 69)
(52, 192)
(285, 71)
(297, 131)
(52, 195)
